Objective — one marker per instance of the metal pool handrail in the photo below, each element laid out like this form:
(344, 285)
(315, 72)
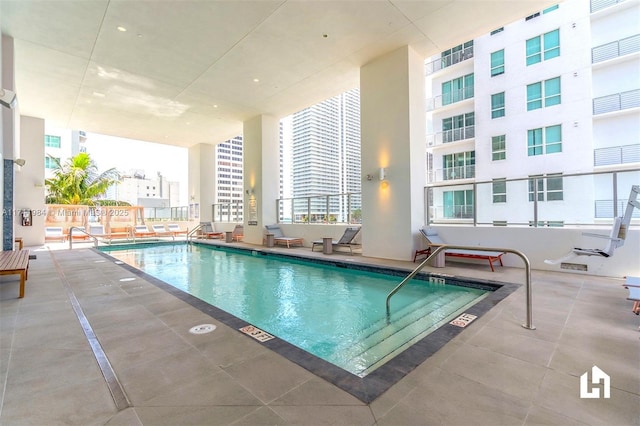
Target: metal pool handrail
(193, 231)
(95, 240)
(527, 267)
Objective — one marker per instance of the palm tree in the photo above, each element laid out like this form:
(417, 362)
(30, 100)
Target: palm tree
(79, 182)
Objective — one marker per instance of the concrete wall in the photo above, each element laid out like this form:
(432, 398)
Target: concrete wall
(29, 181)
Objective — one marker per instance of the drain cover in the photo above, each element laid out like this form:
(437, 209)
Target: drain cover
(202, 329)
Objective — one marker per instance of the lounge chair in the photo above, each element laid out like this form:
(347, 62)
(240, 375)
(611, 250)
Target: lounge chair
(98, 231)
(279, 238)
(175, 228)
(434, 240)
(141, 231)
(54, 233)
(238, 233)
(207, 230)
(345, 241)
(161, 231)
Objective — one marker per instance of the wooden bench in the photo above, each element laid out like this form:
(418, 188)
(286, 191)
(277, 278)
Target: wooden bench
(15, 262)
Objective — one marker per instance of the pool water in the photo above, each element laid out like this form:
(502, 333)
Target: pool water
(336, 314)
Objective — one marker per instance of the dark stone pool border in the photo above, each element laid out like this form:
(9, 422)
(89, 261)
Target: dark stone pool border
(367, 388)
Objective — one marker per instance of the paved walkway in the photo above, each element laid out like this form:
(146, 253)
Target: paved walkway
(494, 372)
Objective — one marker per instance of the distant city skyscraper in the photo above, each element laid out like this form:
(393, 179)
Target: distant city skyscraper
(326, 155)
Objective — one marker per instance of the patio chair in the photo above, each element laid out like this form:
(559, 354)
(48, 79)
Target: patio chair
(141, 231)
(279, 238)
(161, 231)
(208, 230)
(434, 240)
(54, 233)
(175, 228)
(345, 241)
(238, 233)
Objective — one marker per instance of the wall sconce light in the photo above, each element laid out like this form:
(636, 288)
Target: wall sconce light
(249, 191)
(383, 173)
(20, 161)
(8, 98)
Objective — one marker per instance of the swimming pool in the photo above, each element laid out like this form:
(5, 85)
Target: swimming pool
(334, 312)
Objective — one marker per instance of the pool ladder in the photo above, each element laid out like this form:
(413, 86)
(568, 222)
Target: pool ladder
(527, 267)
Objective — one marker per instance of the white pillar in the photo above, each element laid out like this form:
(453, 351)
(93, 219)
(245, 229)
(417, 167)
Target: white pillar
(261, 175)
(393, 134)
(202, 181)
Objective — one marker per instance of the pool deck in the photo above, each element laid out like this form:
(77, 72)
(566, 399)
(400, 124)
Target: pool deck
(493, 372)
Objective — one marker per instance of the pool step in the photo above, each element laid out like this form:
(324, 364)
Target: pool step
(403, 329)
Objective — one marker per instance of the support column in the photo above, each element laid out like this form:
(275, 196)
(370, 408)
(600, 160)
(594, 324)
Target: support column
(261, 175)
(10, 149)
(202, 182)
(393, 135)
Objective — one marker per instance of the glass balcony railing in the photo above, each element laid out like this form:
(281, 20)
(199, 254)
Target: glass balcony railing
(451, 135)
(334, 208)
(449, 98)
(228, 212)
(448, 60)
(552, 200)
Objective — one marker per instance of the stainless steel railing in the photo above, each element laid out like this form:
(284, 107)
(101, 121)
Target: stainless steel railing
(525, 259)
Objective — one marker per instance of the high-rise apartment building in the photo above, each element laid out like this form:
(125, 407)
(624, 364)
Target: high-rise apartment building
(326, 157)
(553, 94)
(61, 144)
(229, 180)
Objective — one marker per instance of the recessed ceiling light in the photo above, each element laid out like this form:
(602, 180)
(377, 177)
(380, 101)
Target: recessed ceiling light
(122, 29)
(255, 80)
(139, 35)
(98, 94)
(215, 106)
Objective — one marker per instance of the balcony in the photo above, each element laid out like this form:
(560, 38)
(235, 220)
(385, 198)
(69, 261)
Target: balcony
(452, 173)
(616, 155)
(616, 102)
(615, 49)
(452, 135)
(597, 5)
(448, 60)
(449, 98)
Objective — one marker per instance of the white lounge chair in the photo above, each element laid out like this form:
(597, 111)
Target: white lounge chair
(279, 238)
(54, 233)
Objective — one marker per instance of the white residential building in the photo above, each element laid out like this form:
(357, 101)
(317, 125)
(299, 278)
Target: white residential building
(229, 181)
(553, 94)
(326, 157)
(61, 144)
(154, 192)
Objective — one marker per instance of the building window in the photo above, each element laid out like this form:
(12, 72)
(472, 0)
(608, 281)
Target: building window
(457, 89)
(497, 105)
(460, 165)
(530, 17)
(498, 148)
(499, 30)
(553, 184)
(51, 162)
(497, 63)
(547, 91)
(458, 204)
(546, 140)
(550, 9)
(51, 141)
(544, 47)
(458, 128)
(499, 190)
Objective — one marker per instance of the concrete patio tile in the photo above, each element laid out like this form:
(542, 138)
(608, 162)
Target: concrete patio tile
(193, 416)
(261, 416)
(316, 415)
(126, 417)
(316, 391)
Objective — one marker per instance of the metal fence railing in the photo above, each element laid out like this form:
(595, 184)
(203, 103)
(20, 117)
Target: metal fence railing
(451, 135)
(448, 60)
(616, 102)
(228, 212)
(616, 155)
(615, 49)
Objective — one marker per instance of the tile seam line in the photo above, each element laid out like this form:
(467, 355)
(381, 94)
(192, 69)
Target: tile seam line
(115, 387)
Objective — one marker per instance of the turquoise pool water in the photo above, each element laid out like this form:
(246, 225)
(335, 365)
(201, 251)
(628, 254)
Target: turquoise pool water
(334, 313)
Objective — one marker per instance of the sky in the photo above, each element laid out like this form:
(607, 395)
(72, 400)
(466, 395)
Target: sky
(128, 154)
